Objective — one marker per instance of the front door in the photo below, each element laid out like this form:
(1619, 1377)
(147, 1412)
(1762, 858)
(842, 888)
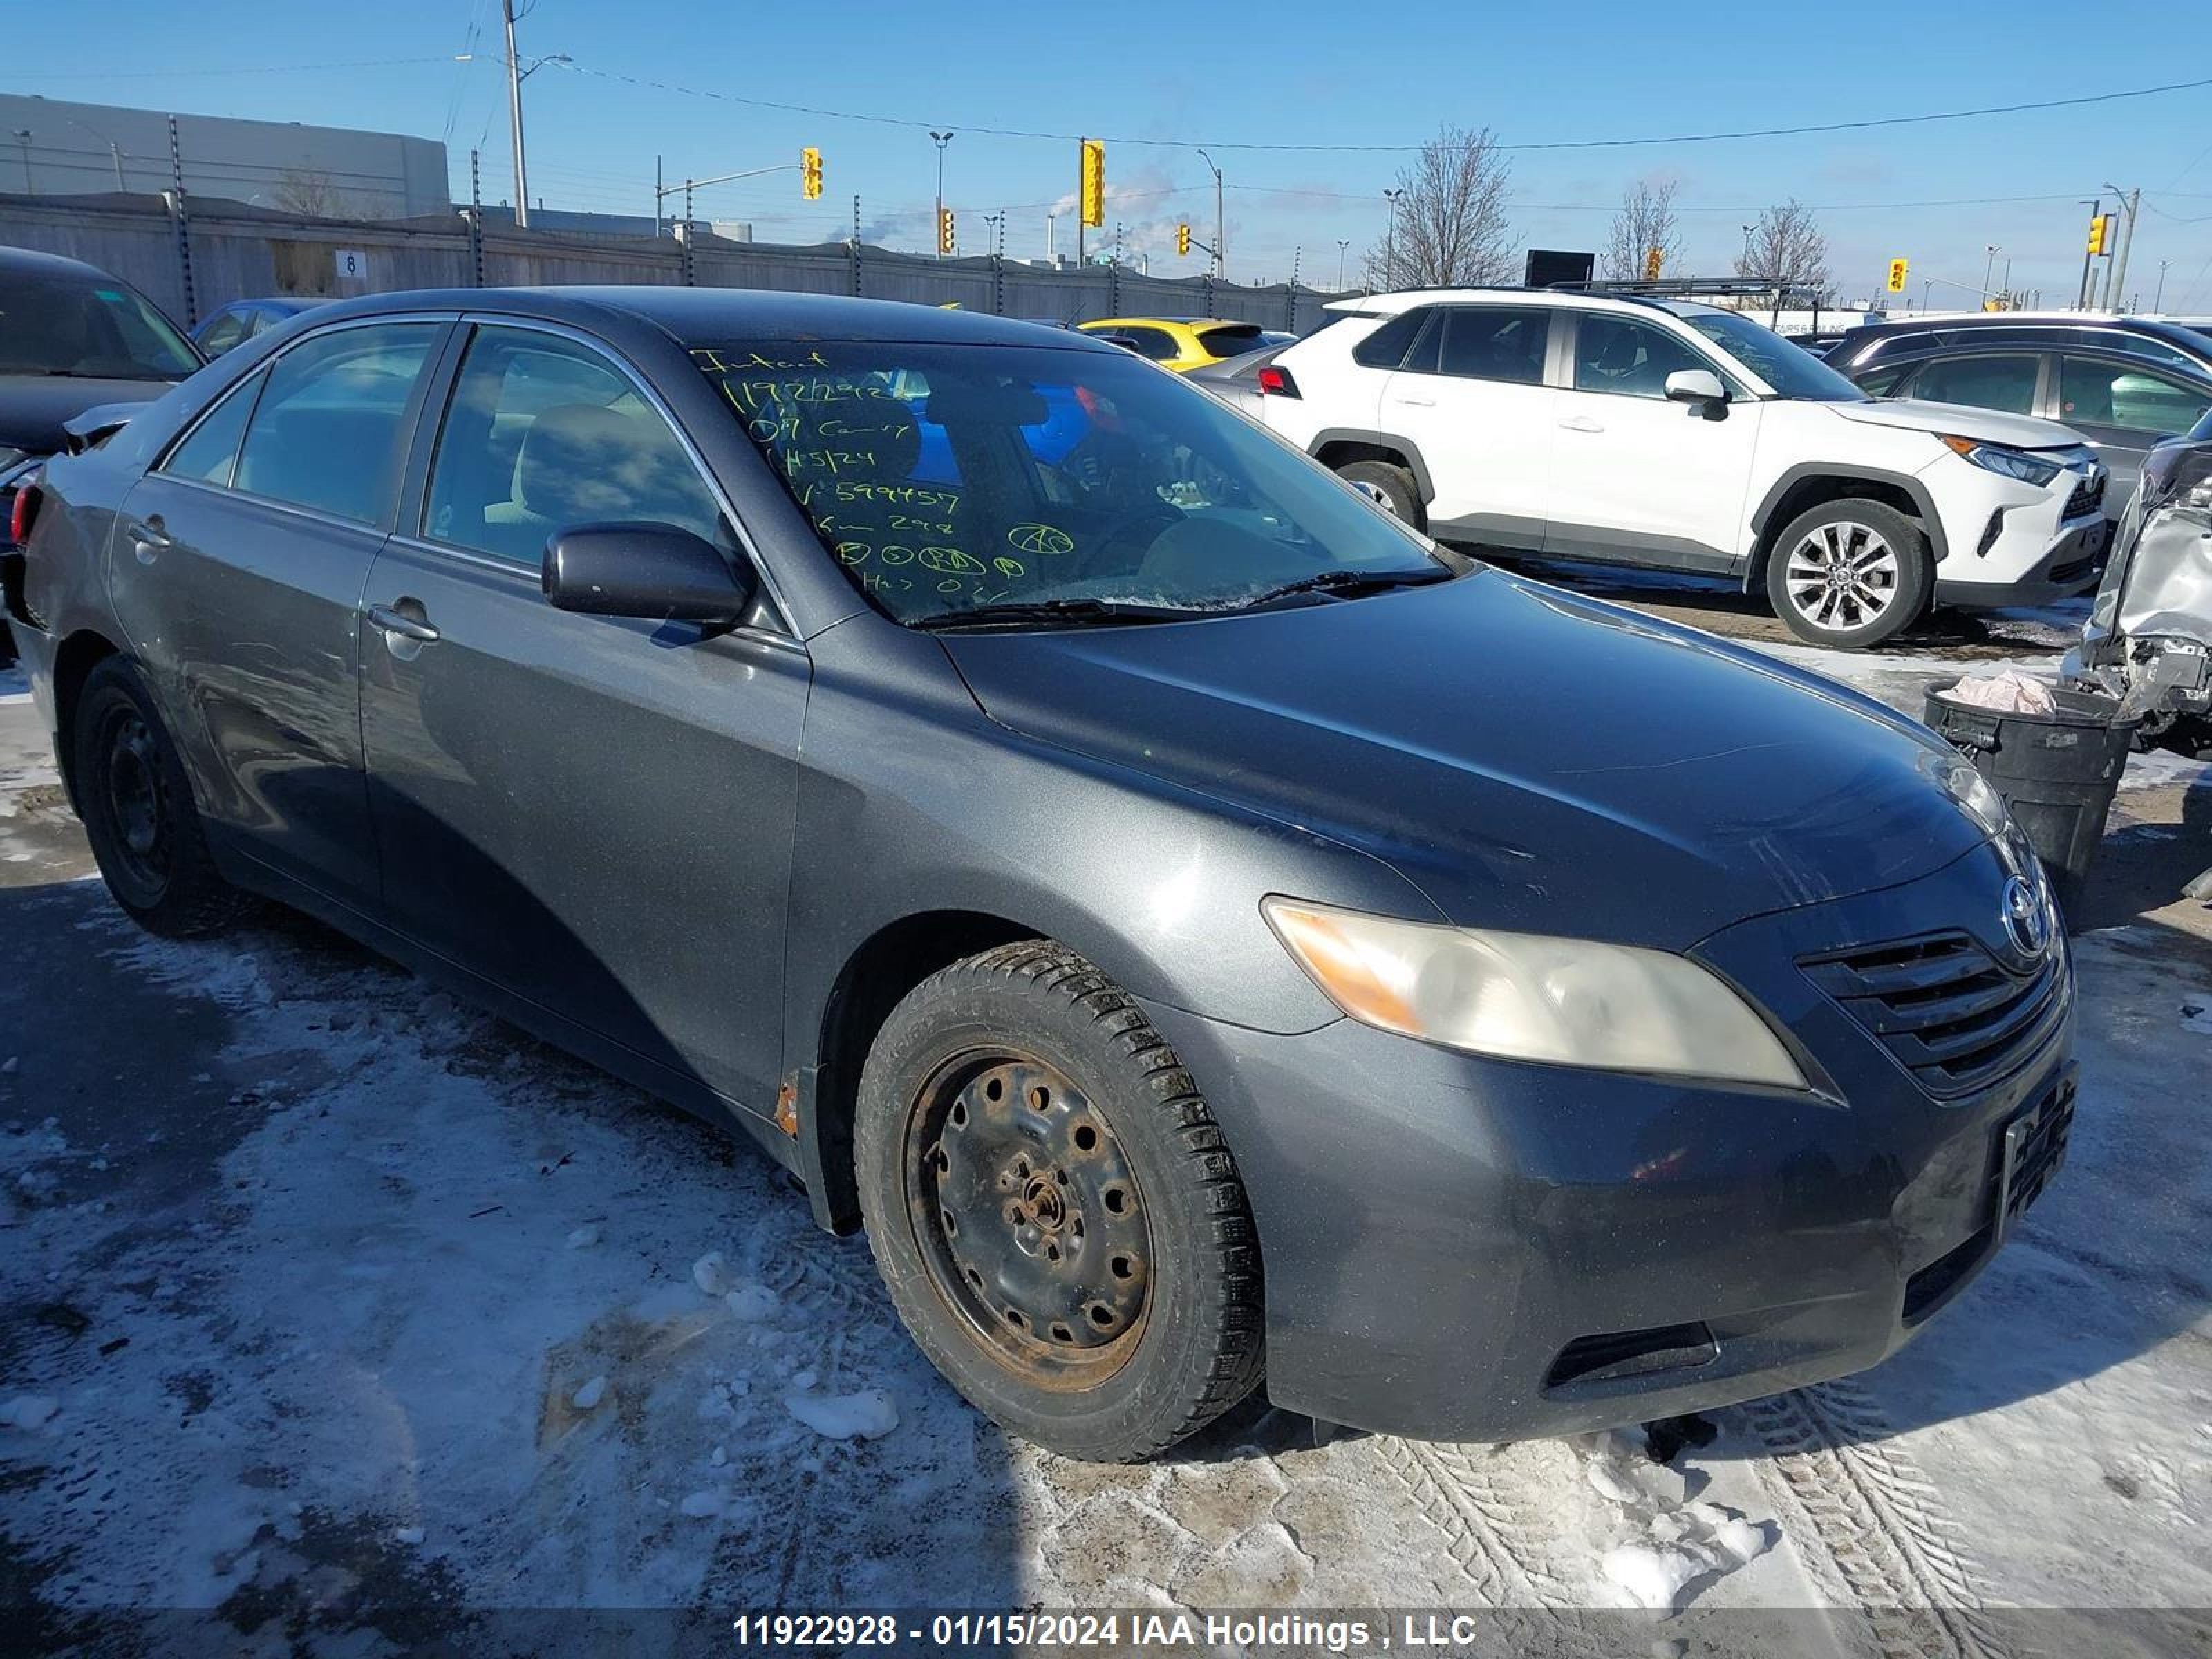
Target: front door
(595, 813)
(1471, 398)
(236, 572)
(2122, 406)
(1636, 477)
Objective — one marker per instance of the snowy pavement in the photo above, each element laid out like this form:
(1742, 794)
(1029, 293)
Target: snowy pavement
(333, 1303)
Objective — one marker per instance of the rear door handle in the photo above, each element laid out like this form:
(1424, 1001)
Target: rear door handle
(149, 539)
(400, 623)
(1581, 423)
(1416, 402)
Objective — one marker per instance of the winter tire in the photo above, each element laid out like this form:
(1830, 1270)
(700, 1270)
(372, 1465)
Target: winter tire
(138, 810)
(1053, 1209)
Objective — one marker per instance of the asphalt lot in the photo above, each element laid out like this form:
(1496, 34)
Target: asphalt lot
(309, 1272)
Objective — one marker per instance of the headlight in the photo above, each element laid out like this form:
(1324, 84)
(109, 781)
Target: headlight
(1954, 775)
(1528, 996)
(2012, 463)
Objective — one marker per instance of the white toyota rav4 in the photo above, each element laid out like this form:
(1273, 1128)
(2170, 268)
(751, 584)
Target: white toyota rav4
(1684, 437)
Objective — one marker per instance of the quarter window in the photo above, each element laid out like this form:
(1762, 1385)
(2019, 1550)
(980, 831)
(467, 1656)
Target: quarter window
(1386, 347)
(327, 432)
(225, 331)
(543, 434)
(1494, 343)
(2005, 383)
(1155, 344)
(2126, 395)
(1628, 357)
(209, 454)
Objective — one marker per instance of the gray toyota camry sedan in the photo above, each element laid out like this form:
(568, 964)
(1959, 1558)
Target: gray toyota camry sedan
(1210, 936)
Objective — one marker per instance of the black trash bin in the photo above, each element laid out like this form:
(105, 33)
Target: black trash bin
(2059, 772)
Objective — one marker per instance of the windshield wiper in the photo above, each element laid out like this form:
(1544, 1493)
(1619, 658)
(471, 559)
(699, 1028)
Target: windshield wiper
(1349, 584)
(1074, 612)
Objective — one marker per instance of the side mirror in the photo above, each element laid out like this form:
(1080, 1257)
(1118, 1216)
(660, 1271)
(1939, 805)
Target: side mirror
(653, 571)
(1701, 388)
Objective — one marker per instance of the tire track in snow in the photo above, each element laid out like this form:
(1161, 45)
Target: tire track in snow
(1879, 1524)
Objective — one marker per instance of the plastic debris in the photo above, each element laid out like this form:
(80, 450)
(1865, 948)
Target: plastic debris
(2008, 693)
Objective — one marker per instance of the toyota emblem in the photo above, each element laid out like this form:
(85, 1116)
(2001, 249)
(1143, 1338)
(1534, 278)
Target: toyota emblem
(2027, 921)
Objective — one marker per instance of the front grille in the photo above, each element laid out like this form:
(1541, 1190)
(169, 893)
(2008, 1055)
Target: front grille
(2073, 571)
(1954, 1015)
(2088, 494)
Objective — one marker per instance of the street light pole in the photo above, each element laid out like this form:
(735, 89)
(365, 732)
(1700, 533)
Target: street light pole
(515, 121)
(1990, 268)
(1390, 240)
(1343, 243)
(937, 228)
(2130, 201)
(2158, 295)
(2081, 299)
(1220, 227)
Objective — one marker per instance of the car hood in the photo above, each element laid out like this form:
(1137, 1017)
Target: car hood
(1987, 425)
(1530, 759)
(34, 407)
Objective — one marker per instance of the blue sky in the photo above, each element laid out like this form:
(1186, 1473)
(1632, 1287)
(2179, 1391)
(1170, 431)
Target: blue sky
(1285, 73)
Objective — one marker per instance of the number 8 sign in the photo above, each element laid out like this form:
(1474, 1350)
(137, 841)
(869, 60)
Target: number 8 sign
(350, 262)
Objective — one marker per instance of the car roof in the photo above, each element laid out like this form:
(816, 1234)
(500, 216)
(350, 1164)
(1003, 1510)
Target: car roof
(720, 316)
(55, 265)
(1390, 305)
(2157, 328)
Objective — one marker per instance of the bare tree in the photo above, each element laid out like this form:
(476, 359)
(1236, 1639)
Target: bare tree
(1646, 221)
(1786, 248)
(1448, 225)
(310, 193)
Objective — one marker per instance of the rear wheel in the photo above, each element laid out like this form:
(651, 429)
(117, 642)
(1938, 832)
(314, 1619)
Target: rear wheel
(1850, 573)
(138, 810)
(1053, 1209)
(1389, 487)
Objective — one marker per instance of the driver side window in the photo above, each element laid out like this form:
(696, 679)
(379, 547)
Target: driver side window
(543, 434)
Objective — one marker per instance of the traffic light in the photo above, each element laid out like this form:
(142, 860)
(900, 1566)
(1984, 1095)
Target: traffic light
(1182, 240)
(946, 240)
(1898, 268)
(2097, 232)
(1094, 181)
(809, 173)
(1653, 259)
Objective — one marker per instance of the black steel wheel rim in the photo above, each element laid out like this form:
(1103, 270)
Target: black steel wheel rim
(135, 790)
(1028, 1218)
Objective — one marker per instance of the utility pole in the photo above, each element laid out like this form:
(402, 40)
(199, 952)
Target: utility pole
(515, 121)
(659, 193)
(1220, 224)
(2081, 299)
(1390, 240)
(936, 230)
(2131, 200)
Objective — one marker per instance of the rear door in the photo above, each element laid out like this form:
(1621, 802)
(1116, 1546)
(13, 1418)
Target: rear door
(2123, 406)
(1636, 477)
(1471, 398)
(595, 813)
(236, 572)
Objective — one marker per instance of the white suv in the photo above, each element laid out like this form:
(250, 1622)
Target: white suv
(1684, 437)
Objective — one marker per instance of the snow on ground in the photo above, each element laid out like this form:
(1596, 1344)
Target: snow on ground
(322, 1294)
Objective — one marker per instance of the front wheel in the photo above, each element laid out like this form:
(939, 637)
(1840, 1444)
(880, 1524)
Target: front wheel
(1390, 487)
(1053, 1209)
(1850, 573)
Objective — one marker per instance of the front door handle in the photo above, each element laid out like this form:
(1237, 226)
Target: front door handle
(399, 624)
(1416, 402)
(1581, 423)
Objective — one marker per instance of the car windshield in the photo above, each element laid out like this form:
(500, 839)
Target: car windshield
(62, 324)
(1791, 370)
(948, 480)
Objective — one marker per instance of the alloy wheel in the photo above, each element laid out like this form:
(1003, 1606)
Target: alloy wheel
(1028, 1217)
(1377, 494)
(1841, 576)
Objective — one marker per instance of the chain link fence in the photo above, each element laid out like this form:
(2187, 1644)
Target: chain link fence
(191, 256)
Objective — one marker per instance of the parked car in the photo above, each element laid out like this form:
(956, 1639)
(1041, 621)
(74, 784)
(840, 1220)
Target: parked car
(1183, 343)
(2149, 638)
(71, 337)
(233, 324)
(1235, 380)
(2161, 341)
(1676, 435)
(1045, 864)
(2118, 397)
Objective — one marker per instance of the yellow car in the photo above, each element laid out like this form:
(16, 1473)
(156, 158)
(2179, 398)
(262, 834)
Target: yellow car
(1183, 343)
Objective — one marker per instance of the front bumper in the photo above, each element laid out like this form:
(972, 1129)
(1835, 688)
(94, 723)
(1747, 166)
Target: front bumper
(1463, 1249)
(2048, 564)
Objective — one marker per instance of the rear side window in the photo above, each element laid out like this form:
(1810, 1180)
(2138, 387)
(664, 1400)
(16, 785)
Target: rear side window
(2126, 395)
(543, 434)
(1156, 343)
(210, 453)
(1386, 347)
(326, 433)
(2004, 382)
(1494, 343)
